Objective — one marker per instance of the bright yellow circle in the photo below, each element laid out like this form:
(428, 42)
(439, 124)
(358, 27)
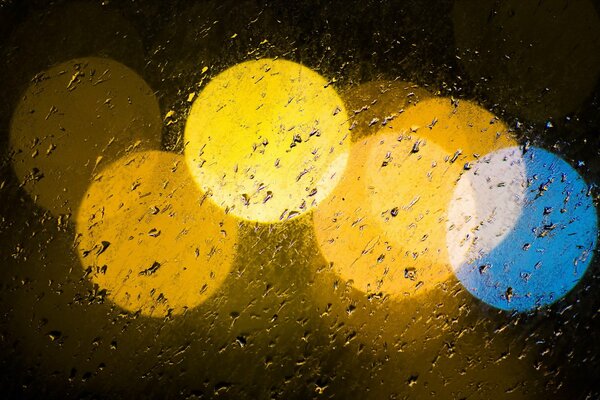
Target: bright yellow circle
(267, 139)
(150, 238)
(384, 227)
(74, 119)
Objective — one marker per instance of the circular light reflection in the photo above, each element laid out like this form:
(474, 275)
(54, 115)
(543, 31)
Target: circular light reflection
(75, 118)
(547, 251)
(486, 204)
(267, 139)
(381, 226)
(150, 238)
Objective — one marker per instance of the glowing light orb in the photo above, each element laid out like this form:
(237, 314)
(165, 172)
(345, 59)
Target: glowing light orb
(383, 228)
(349, 236)
(267, 139)
(150, 238)
(486, 204)
(547, 250)
(72, 120)
(409, 191)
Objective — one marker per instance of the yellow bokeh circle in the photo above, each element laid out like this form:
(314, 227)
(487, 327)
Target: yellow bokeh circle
(75, 118)
(148, 236)
(267, 139)
(384, 226)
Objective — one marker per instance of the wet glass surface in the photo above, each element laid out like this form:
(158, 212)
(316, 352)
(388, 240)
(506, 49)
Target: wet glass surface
(297, 200)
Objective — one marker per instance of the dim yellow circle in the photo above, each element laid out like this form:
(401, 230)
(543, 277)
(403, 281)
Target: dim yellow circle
(149, 237)
(75, 118)
(267, 139)
(384, 226)
(347, 233)
(409, 191)
(354, 232)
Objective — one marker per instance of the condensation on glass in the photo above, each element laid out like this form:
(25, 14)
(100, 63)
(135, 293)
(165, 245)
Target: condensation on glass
(299, 200)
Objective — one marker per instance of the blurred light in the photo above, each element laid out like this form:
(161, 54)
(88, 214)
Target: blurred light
(73, 119)
(267, 139)
(535, 260)
(383, 226)
(486, 204)
(150, 238)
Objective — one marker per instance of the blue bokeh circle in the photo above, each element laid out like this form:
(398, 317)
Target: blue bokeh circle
(549, 248)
